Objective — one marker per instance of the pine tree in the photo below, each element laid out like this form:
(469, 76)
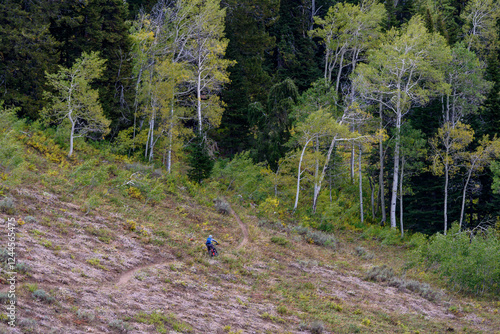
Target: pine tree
(199, 161)
(27, 50)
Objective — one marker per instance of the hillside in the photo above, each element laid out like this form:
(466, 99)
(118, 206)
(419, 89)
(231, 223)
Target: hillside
(95, 256)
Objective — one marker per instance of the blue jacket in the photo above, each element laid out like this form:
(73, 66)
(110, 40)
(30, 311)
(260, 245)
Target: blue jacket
(209, 241)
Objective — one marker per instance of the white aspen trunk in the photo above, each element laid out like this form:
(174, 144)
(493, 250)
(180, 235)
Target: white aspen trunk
(71, 137)
(300, 173)
(316, 168)
(326, 63)
(353, 153)
(323, 172)
(313, 11)
(381, 173)
(151, 145)
(361, 188)
(198, 96)
(71, 120)
(340, 71)
(463, 197)
(446, 177)
(372, 196)
(401, 197)
(170, 136)
(395, 179)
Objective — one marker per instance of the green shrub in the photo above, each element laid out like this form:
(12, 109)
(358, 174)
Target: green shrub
(30, 219)
(317, 327)
(160, 321)
(470, 262)
(4, 255)
(316, 237)
(119, 325)
(363, 253)
(386, 274)
(380, 274)
(222, 206)
(4, 297)
(7, 206)
(22, 268)
(279, 240)
(85, 315)
(43, 296)
(249, 180)
(27, 323)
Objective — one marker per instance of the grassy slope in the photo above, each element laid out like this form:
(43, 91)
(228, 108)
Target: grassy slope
(82, 249)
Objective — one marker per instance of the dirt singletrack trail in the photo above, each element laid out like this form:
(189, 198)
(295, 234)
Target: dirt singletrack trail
(244, 228)
(126, 276)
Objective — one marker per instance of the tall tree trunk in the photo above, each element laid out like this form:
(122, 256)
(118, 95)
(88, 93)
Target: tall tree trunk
(340, 71)
(395, 173)
(170, 139)
(323, 172)
(361, 188)
(381, 172)
(353, 153)
(372, 196)
(463, 196)
(299, 173)
(198, 97)
(401, 197)
(71, 136)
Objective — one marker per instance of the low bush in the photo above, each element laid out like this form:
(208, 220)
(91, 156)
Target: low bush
(22, 268)
(470, 262)
(119, 325)
(30, 219)
(222, 206)
(85, 315)
(43, 296)
(7, 206)
(316, 237)
(386, 274)
(363, 253)
(280, 240)
(27, 323)
(317, 327)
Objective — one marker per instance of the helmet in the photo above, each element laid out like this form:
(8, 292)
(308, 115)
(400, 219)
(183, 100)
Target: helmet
(210, 236)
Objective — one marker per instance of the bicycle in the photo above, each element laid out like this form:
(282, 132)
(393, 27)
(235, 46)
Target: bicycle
(213, 251)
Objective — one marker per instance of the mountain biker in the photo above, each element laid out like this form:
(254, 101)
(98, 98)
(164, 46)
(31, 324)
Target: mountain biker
(209, 243)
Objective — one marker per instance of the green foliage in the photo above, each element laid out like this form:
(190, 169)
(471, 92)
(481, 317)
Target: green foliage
(272, 123)
(386, 274)
(27, 50)
(316, 237)
(163, 322)
(199, 161)
(119, 325)
(470, 262)
(43, 296)
(280, 240)
(317, 327)
(73, 102)
(387, 235)
(495, 168)
(242, 176)
(7, 206)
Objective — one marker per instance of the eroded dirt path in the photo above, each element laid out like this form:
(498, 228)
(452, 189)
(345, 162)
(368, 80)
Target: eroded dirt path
(244, 228)
(126, 276)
